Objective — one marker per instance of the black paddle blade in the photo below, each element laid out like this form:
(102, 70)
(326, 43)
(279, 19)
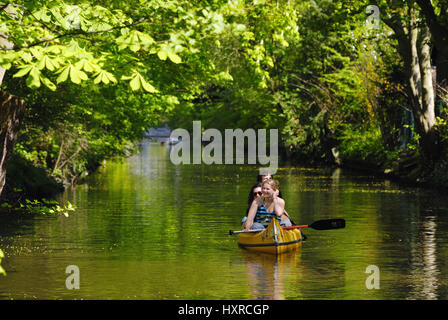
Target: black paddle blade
(328, 224)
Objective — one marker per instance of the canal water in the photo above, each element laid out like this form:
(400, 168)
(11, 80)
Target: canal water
(147, 229)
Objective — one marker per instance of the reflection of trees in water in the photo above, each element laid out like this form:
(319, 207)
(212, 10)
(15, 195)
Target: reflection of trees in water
(424, 269)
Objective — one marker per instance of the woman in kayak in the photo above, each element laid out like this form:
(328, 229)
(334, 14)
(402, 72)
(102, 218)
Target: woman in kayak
(266, 207)
(262, 178)
(255, 192)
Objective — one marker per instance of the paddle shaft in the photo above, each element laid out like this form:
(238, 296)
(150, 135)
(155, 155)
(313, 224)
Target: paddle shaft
(248, 231)
(327, 224)
(318, 225)
(296, 227)
(259, 230)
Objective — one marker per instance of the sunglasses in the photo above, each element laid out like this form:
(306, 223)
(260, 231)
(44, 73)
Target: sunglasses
(259, 193)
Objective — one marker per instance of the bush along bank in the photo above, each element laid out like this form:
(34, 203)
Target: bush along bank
(365, 151)
(405, 166)
(34, 178)
(29, 188)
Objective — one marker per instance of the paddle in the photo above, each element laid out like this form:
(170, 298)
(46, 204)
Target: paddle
(327, 224)
(242, 231)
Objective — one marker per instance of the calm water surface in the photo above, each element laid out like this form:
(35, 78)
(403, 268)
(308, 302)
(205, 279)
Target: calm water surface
(146, 229)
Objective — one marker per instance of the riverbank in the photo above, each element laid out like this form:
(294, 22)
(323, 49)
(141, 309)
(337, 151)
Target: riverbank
(24, 180)
(31, 189)
(407, 169)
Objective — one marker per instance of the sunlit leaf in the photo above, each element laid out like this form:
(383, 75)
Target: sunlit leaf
(162, 54)
(64, 75)
(33, 80)
(148, 87)
(23, 71)
(50, 85)
(174, 57)
(135, 83)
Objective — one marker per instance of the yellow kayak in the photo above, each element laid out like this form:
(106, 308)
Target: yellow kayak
(274, 239)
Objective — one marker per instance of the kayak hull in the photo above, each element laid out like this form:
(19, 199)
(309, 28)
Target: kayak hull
(274, 239)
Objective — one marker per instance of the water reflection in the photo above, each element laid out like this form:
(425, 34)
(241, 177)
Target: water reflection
(335, 177)
(267, 273)
(148, 229)
(424, 268)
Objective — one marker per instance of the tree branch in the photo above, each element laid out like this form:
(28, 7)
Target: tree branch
(72, 34)
(438, 31)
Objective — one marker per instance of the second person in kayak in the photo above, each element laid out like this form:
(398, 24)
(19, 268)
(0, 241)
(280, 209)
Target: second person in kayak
(268, 206)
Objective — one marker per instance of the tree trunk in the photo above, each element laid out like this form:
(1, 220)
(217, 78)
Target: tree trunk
(439, 32)
(12, 110)
(414, 46)
(427, 109)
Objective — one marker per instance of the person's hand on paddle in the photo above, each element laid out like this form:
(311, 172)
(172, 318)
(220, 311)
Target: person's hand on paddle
(247, 226)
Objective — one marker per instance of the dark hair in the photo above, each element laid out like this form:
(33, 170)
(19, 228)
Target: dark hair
(251, 196)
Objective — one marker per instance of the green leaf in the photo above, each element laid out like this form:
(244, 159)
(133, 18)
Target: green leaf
(42, 15)
(145, 39)
(98, 78)
(138, 81)
(27, 57)
(33, 80)
(135, 83)
(36, 52)
(55, 11)
(87, 65)
(76, 76)
(50, 85)
(224, 76)
(109, 76)
(134, 44)
(104, 77)
(168, 52)
(162, 54)
(148, 87)
(46, 62)
(41, 64)
(174, 57)
(23, 71)
(64, 75)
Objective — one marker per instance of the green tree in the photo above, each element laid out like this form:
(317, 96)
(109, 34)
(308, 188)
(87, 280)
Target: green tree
(419, 27)
(151, 46)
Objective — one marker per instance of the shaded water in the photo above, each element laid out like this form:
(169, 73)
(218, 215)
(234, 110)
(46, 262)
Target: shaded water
(146, 229)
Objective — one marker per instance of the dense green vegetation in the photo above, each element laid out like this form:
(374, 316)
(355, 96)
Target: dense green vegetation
(333, 77)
